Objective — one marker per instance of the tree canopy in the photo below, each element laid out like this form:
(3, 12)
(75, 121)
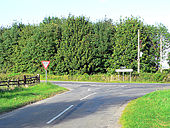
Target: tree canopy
(75, 45)
(169, 58)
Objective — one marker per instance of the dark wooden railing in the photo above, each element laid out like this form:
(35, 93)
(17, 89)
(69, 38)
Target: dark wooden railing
(25, 81)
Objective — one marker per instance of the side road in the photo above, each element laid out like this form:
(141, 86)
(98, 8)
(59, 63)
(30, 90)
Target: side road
(86, 105)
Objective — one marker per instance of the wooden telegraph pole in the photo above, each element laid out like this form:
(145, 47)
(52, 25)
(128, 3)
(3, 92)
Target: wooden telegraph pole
(138, 51)
(161, 53)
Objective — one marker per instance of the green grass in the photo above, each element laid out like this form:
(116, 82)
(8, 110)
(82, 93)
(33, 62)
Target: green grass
(106, 78)
(12, 99)
(143, 78)
(149, 111)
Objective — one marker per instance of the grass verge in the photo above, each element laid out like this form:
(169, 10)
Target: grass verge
(149, 111)
(18, 97)
(142, 78)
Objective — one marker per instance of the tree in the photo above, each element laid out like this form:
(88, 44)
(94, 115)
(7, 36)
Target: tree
(74, 50)
(168, 58)
(125, 45)
(75, 45)
(103, 40)
(9, 41)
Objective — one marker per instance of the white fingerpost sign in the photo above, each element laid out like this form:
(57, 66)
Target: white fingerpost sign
(45, 64)
(124, 70)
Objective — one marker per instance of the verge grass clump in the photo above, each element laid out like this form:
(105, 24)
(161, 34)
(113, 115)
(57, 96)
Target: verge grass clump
(149, 111)
(11, 99)
(136, 78)
(151, 77)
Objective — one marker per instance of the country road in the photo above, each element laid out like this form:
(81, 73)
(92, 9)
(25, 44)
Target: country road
(86, 105)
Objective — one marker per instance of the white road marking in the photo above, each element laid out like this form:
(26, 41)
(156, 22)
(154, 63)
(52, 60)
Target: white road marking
(123, 85)
(59, 114)
(89, 89)
(87, 96)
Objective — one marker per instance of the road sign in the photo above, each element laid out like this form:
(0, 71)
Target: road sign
(124, 70)
(45, 64)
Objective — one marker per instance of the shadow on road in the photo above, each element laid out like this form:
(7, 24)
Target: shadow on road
(37, 115)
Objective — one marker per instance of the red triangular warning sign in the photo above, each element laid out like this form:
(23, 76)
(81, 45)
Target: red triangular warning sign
(45, 64)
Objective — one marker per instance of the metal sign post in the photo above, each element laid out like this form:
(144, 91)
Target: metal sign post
(45, 64)
(123, 71)
(46, 75)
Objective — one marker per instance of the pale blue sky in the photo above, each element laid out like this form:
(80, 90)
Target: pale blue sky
(34, 11)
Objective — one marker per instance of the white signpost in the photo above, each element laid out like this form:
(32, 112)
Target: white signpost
(124, 70)
(45, 64)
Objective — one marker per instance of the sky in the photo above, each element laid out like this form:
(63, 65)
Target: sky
(34, 11)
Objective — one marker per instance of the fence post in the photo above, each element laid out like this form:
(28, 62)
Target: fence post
(38, 78)
(25, 80)
(8, 83)
(18, 82)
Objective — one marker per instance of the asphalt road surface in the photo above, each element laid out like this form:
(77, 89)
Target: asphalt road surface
(86, 105)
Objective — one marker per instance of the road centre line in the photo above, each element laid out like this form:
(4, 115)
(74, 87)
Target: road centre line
(59, 114)
(87, 96)
(54, 118)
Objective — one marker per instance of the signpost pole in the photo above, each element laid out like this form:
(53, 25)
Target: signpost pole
(46, 75)
(123, 71)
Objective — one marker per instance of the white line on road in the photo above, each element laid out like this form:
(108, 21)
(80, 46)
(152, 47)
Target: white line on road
(59, 114)
(89, 89)
(87, 96)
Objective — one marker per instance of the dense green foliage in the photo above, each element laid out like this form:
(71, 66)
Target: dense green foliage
(75, 45)
(169, 58)
(11, 99)
(142, 77)
(149, 111)
(135, 78)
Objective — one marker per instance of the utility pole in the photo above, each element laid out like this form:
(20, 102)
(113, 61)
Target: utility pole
(161, 53)
(138, 51)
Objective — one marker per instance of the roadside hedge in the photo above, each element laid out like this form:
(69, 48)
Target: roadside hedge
(75, 45)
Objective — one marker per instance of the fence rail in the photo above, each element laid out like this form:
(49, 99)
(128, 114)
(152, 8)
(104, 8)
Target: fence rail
(25, 81)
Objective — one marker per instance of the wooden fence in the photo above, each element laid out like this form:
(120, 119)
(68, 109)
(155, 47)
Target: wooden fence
(25, 81)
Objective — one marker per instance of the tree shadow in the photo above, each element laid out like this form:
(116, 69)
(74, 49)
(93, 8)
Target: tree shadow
(37, 115)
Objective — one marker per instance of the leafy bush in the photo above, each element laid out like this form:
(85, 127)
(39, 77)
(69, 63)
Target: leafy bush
(152, 77)
(13, 76)
(142, 77)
